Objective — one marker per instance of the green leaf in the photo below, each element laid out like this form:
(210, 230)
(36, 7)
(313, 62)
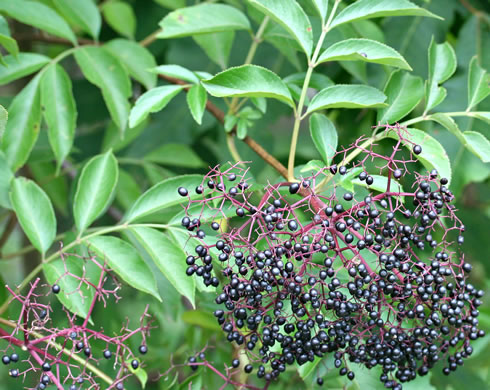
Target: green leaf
(404, 92)
(179, 155)
(482, 115)
(347, 96)
(136, 59)
(153, 100)
(104, 71)
(250, 81)
(196, 100)
(322, 8)
(120, 16)
(83, 13)
(38, 15)
(202, 19)
(324, 136)
(308, 368)
(23, 126)
(127, 190)
(95, 189)
(125, 261)
(3, 120)
(34, 212)
(478, 83)
(177, 72)
(22, 65)
(366, 9)
(364, 50)
(113, 140)
(217, 46)
(478, 144)
(380, 184)
(203, 319)
(170, 259)
(433, 155)
(59, 110)
(10, 45)
(449, 124)
(291, 17)
(442, 65)
(75, 296)
(6, 176)
(162, 195)
(192, 383)
(139, 373)
(55, 186)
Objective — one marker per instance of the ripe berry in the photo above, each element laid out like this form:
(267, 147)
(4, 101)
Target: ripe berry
(342, 170)
(107, 354)
(292, 225)
(417, 149)
(14, 372)
(182, 191)
(235, 363)
(55, 288)
(46, 367)
(45, 379)
(5, 359)
(319, 381)
(14, 357)
(348, 196)
(42, 314)
(397, 173)
(248, 368)
(120, 386)
(199, 190)
(79, 346)
(143, 349)
(73, 387)
(135, 364)
(293, 188)
(87, 351)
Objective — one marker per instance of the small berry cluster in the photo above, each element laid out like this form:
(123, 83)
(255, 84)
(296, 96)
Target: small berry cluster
(305, 272)
(68, 356)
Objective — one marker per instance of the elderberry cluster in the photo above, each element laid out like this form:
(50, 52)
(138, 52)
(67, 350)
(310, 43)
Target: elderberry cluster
(302, 273)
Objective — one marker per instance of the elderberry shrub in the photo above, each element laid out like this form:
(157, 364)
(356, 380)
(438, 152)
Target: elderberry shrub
(376, 281)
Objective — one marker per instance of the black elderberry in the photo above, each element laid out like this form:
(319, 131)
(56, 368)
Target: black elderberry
(343, 170)
(182, 191)
(5, 359)
(107, 354)
(193, 360)
(45, 379)
(14, 372)
(80, 346)
(135, 364)
(46, 367)
(215, 226)
(14, 358)
(87, 351)
(143, 349)
(120, 386)
(417, 149)
(42, 314)
(293, 188)
(248, 368)
(292, 225)
(397, 173)
(55, 288)
(333, 169)
(235, 363)
(240, 212)
(348, 196)
(319, 381)
(369, 180)
(73, 387)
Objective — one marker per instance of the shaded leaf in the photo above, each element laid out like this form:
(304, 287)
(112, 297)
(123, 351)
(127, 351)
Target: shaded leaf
(34, 212)
(162, 195)
(366, 9)
(478, 83)
(347, 96)
(169, 258)
(56, 187)
(95, 189)
(196, 100)
(250, 81)
(104, 71)
(365, 50)
(125, 261)
(83, 13)
(23, 126)
(217, 46)
(120, 16)
(483, 116)
(6, 176)
(202, 19)
(127, 190)
(404, 92)
(3, 120)
(136, 59)
(153, 100)
(324, 136)
(22, 65)
(10, 45)
(38, 15)
(478, 144)
(322, 8)
(291, 17)
(59, 110)
(203, 319)
(175, 154)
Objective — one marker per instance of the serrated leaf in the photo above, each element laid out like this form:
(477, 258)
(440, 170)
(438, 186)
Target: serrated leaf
(478, 144)
(169, 258)
(478, 83)
(217, 46)
(34, 212)
(433, 155)
(153, 100)
(162, 195)
(324, 136)
(103, 70)
(38, 15)
(95, 189)
(179, 155)
(176, 71)
(404, 92)
(291, 17)
(365, 50)
(125, 261)
(83, 13)
(65, 272)
(120, 16)
(22, 65)
(196, 101)
(23, 126)
(347, 96)
(449, 124)
(322, 7)
(482, 115)
(442, 65)
(366, 9)
(249, 81)
(135, 58)
(10, 45)
(202, 19)
(6, 176)
(59, 110)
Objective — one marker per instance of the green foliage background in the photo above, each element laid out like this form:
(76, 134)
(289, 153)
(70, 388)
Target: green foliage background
(170, 143)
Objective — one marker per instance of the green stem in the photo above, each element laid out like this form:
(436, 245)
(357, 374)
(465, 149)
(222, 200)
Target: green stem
(232, 148)
(65, 351)
(306, 83)
(422, 118)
